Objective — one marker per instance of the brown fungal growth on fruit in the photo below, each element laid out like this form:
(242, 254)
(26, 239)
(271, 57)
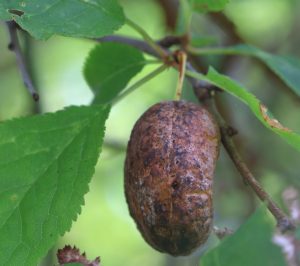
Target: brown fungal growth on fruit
(169, 169)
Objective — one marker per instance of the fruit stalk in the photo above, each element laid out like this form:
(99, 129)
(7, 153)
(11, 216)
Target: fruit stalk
(181, 68)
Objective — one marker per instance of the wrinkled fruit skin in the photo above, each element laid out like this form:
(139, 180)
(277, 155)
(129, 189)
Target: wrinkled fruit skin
(169, 169)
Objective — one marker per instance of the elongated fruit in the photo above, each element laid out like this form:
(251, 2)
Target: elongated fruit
(169, 169)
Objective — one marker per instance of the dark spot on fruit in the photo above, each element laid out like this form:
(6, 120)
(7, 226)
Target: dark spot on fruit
(187, 180)
(149, 157)
(159, 207)
(166, 147)
(175, 185)
(180, 152)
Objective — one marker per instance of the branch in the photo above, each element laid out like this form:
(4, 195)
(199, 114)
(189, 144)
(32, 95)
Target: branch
(143, 46)
(115, 145)
(283, 222)
(139, 44)
(146, 48)
(14, 46)
(171, 40)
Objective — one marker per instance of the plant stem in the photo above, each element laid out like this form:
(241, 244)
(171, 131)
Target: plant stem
(29, 55)
(161, 52)
(182, 66)
(139, 83)
(15, 47)
(115, 145)
(206, 51)
(152, 61)
(196, 75)
(283, 222)
(146, 48)
(217, 51)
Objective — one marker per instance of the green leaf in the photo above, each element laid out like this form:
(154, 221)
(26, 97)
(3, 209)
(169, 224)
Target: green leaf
(109, 68)
(260, 110)
(250, 245)
(46, 164)
(187, 7)
(42, 19)
(208, 5)
(287, 68)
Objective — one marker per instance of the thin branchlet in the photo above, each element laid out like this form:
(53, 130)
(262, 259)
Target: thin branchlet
(283, 222)
(14, 46)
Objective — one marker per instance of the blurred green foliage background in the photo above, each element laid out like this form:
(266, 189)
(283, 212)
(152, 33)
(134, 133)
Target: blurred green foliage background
(104, 227)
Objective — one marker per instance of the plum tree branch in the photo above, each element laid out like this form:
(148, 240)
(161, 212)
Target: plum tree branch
(143, 46)
(146, 48)
(14, 46)
(139, 83)
(162, 53)
(283, 222)
(139, 44)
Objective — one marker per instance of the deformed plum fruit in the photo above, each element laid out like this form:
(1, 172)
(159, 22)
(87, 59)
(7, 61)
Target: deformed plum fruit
(169, 168)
